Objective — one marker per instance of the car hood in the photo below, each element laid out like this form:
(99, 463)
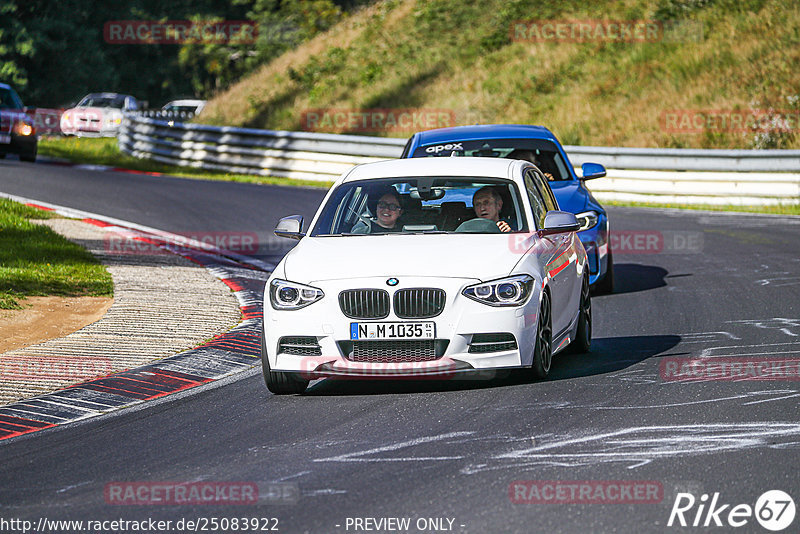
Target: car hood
(483, 257)
(570, 194)
(92, 109)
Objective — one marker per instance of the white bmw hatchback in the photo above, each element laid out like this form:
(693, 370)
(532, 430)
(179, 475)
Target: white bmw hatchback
(427, 268)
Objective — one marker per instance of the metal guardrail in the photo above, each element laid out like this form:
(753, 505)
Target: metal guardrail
(640, 174)
(687, 159)
(161, 114)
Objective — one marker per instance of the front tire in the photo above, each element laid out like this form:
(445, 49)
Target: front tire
(280, 383)
(543, 351)
(583, 338)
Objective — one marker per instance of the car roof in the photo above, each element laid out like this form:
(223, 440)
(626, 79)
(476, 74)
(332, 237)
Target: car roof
(107, 95)
(455, 166)
(484, 131)
(185, 102)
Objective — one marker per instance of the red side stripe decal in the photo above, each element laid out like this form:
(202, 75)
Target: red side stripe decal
(558, 269)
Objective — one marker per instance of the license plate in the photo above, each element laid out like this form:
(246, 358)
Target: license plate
(5, 139)
(424, 330)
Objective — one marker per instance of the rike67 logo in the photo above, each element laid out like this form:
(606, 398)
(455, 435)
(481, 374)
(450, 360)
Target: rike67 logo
(774, 510)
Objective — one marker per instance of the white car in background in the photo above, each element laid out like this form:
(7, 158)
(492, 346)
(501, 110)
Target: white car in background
(441, 292)
(97, 115)
(186, 106)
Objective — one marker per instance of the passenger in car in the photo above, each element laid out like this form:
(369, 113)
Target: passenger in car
(487, 204)
(530, 155)
(388, 210)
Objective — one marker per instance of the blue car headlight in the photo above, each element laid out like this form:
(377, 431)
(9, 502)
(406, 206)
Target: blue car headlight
(511, 291)
(285, 295)
(587, 219)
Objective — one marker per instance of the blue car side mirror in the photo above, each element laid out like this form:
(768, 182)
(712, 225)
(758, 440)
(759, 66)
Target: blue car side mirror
(592, 170)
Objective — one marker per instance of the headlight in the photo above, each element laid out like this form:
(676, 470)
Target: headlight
(24, 128)
(285, 295)
(587, 219)
(511, 291)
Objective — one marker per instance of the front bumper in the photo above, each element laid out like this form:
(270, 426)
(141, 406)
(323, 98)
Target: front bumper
(460, 321)
(88, 132)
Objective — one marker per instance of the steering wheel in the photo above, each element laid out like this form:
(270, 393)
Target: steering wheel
(478, 226)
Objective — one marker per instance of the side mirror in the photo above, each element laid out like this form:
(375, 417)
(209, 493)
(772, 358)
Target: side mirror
(291, 227)
(592, 170)
(559, 222)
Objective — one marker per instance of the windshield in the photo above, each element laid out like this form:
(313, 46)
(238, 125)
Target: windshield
(421, 205)
(540, 152)
(9, 99)
(103, 101)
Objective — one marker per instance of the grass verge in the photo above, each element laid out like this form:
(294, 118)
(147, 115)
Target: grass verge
(104, 151)
(739, 56)
(36, 261)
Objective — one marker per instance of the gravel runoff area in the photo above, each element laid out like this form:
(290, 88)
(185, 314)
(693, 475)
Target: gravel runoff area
(163, 304)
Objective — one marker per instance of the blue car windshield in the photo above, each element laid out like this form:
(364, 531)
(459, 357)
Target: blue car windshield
(541, 152)
(421, 205)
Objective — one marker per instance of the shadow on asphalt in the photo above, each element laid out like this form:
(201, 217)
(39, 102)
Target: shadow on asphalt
(633, 277)
(608, 355)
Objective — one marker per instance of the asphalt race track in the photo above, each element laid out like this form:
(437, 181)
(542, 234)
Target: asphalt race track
(725, 288)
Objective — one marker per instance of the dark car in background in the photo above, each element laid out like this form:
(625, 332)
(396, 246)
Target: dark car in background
(539, 146)
(17, 132)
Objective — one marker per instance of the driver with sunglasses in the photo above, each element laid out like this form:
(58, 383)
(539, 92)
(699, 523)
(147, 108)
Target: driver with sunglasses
(388, 212)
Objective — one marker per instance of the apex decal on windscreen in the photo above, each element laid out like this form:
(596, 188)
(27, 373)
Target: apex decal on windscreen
(435, 149)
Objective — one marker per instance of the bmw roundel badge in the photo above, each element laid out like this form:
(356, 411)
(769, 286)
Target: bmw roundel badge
(392, 282)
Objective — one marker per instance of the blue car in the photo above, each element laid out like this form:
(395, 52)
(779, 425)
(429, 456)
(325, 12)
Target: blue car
(539, 146)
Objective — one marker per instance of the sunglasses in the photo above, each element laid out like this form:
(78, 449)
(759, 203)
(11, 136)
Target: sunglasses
(390, 207)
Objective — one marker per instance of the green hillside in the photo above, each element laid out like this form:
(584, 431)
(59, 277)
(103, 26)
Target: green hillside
(466, 59)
